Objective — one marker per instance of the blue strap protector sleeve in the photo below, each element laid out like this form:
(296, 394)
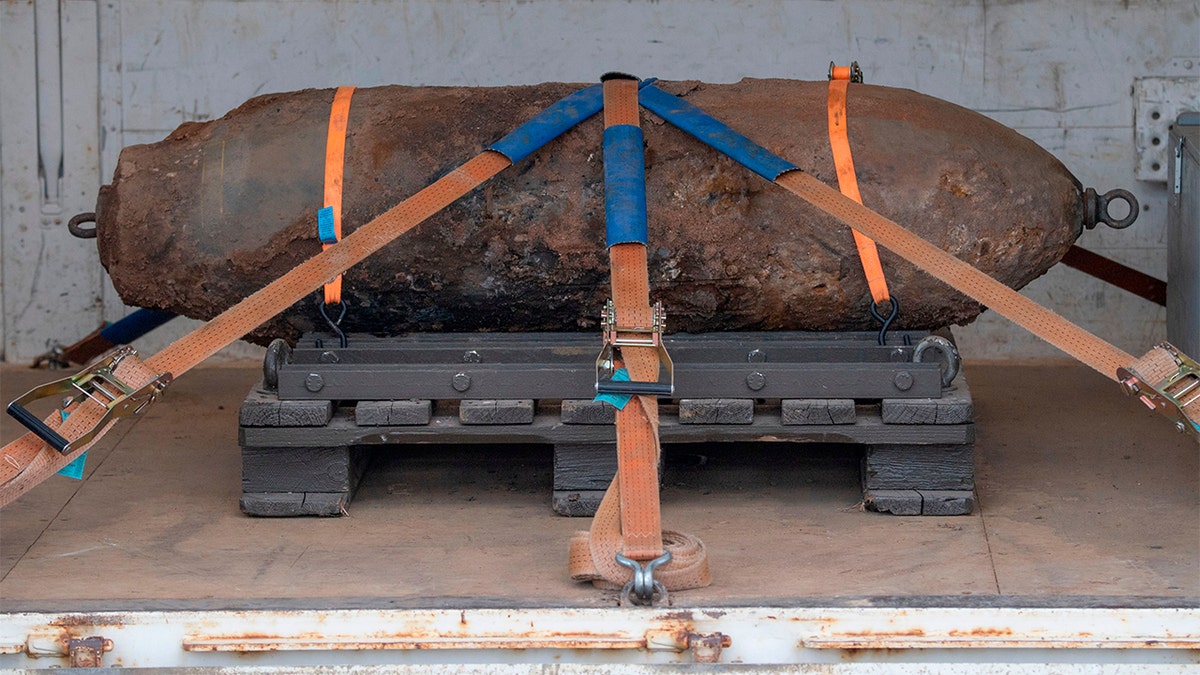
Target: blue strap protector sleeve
(550, 123)
(135, 325)
(711, 131)
(325, 229)
(624, 185)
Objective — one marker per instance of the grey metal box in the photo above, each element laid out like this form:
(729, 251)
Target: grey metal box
(1183, 235)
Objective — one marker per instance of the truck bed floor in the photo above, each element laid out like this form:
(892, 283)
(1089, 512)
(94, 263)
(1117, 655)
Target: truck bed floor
(1081, 493)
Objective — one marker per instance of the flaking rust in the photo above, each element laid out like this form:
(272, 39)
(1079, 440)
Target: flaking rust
(196, 222)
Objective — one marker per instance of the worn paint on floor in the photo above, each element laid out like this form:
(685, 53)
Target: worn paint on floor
(1080, 493)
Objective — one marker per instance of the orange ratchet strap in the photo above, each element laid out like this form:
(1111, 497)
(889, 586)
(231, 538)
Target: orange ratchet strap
(335, 160)
(840, 78)
(123, 384)
(626, 546)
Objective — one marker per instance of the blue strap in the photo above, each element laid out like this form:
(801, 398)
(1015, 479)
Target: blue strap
(624, 185)
(325, 229)
(135, 325)
(550, 123)
(715, 133)
(553, 122)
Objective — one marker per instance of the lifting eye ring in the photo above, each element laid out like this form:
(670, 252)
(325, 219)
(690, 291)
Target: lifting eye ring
(73, 225)
(1096, 208)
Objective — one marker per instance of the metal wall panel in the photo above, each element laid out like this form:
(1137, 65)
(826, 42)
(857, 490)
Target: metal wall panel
(1059, 72)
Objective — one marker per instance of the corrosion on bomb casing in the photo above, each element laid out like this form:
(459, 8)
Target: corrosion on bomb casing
(218, 209)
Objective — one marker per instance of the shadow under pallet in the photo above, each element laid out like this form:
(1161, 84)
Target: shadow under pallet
(306, 430)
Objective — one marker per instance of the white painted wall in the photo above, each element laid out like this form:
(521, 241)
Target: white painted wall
(1060, 71)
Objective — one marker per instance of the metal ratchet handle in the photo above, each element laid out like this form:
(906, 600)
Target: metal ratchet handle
(634, 388)
(38, 427)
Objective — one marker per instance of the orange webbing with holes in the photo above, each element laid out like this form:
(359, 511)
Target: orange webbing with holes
(839, 142)
(960, 276)
(335, 160)
(628, 520)
(28, 461)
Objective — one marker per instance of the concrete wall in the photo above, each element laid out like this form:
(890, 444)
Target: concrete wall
(1062, 72)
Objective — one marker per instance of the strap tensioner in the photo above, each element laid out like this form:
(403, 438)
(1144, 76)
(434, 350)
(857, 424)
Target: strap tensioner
(1167, 381)
(616, 337)
(97, 382)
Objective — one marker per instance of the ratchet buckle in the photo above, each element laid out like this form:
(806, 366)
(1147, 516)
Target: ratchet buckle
(1167, 381)
(99, 383)
(616, 337)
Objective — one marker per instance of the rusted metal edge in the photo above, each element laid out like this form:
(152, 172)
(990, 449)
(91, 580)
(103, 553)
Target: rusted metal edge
(743, 635)
(892, 642)
(198, 643)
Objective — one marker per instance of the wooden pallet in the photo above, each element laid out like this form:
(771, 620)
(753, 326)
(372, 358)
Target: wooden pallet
(305, 457)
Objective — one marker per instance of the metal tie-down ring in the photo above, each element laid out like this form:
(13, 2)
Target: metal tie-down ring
(643, 585)
(950, 359)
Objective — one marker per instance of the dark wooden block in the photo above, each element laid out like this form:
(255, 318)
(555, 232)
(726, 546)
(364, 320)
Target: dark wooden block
(514, 411)
(392, 413)
(260, 408)
(919, 467)
(321, 469)
(811, 411)
(264, 409)
(586, 411)
(576, 503)
(953, 407)
(920, 502)
(372, 413)
(896, 502)
(584, 466)
(305, 413)
(947, 502)
(288, 504)
(716, 411)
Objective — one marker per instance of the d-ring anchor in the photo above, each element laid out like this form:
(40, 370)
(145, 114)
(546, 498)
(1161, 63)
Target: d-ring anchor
(886, 321)
(335, 325)
(643, 585)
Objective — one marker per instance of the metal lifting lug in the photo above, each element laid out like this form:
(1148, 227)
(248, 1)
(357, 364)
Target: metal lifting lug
(1168, 381)
(616, 337)
(98, 383)
(643, 586)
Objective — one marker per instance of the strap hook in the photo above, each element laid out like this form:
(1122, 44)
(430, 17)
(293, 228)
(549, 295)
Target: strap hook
(887, 322)
(335, 325)
(643, 585)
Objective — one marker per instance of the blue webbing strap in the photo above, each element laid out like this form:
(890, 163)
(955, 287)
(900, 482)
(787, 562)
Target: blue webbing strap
(715, 133)
(552, 122)
(137, 324)
(624, 185)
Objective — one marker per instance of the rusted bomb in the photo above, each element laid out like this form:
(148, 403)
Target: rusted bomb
(218, 209)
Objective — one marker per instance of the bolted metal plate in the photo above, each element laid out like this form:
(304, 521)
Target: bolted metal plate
(1157, 101)
(558, 366)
